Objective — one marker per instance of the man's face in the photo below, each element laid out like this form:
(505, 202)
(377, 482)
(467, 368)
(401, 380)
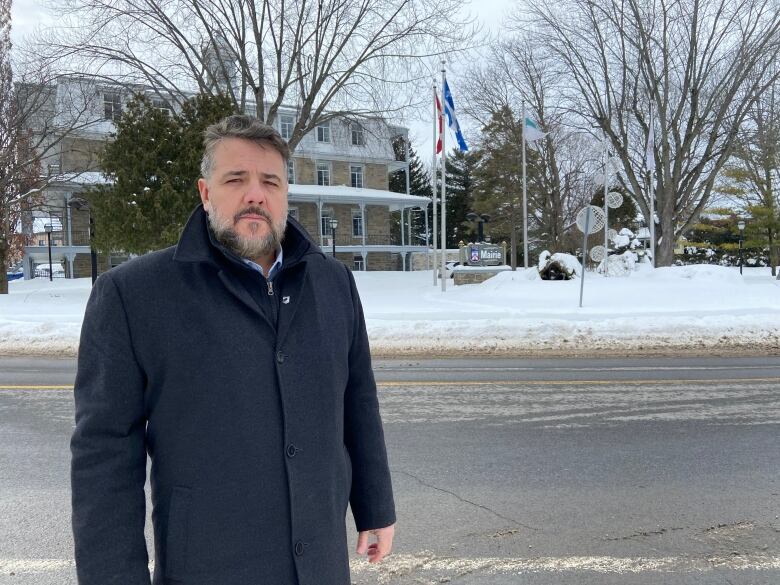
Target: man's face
(246, 197)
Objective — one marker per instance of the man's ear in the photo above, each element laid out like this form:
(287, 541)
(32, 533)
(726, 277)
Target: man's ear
(203, 189)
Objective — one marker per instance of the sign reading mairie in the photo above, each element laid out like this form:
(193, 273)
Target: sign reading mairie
(484, 255)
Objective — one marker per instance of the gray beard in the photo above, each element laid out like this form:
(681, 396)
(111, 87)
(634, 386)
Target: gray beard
(248, 248)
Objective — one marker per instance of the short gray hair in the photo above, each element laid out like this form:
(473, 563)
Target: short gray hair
(240, 126)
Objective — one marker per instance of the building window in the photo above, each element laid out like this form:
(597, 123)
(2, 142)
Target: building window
(358, 136)
(162, 105)
(286, 124)
(323, 173)
(357, 224)
(327, 230)
(323, 132)
(358, 263)
(356, 175)
(112, 105)
(293, 212)
(291, 172)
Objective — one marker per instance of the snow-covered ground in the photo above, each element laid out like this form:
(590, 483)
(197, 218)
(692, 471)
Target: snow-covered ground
(699, 308)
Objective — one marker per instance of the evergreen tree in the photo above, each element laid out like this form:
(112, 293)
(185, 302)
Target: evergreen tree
(419, 184)
(460, 196)
(498, 179)
(154, 165)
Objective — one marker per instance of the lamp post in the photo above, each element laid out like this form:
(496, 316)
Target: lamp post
(47, 227)
(741, 226)
(334, 224)
(481, 220)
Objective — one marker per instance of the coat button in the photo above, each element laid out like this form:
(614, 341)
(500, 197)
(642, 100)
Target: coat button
(291, 450)
(299, 548)
(279, 357)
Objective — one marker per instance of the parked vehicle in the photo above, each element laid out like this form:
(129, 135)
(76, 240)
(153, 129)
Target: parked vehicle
(57, 271)
(15, 272)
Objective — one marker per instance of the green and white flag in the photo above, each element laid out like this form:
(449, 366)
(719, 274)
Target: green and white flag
(532, 132)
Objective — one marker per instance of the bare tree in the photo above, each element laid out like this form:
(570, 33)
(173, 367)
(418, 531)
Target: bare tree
(35, 122)
(693, 63)
(330, 58)
(519, 76)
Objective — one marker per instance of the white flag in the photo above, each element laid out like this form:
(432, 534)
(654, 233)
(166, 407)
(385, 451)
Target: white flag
(650, 153)
(532, 132)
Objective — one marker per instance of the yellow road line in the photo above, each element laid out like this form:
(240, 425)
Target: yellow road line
(30, 387)
(568, 382)
(396, 383)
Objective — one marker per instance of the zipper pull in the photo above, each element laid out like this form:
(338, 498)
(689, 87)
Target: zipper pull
(270, 288)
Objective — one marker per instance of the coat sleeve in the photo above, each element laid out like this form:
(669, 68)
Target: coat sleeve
(108, 464)
(371, 497)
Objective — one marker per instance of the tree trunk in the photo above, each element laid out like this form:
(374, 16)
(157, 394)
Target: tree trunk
(665, 248)
(3, 267)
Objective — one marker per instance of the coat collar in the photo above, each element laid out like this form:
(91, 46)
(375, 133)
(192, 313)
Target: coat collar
(197, 243)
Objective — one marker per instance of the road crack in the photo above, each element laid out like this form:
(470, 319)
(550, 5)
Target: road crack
(466, 501)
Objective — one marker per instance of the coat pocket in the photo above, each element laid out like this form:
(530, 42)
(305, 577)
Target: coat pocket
(178, 533)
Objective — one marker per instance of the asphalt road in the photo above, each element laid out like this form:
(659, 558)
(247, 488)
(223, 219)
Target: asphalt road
(506, 471)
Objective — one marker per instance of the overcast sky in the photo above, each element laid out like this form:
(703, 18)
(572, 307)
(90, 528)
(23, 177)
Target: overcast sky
(27, 15)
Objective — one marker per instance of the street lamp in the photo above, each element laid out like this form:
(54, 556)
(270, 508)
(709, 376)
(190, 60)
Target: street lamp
(47, 228)
(741, 226)
(334, 223)
(481, 220)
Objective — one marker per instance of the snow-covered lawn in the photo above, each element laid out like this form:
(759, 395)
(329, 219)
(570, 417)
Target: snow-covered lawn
(681, 308)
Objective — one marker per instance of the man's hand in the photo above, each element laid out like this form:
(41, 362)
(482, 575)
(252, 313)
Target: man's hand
(379, 549)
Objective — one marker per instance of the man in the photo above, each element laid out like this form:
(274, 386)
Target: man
(239, 361)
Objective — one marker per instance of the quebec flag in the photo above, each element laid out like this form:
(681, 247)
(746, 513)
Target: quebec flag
(452, 121)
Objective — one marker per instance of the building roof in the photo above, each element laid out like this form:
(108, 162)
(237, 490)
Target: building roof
(297, 192)
(344, 194)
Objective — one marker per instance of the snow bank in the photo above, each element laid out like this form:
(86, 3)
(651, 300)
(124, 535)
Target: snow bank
(688, 307)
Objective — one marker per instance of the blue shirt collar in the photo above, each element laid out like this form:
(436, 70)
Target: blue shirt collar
(275, 267)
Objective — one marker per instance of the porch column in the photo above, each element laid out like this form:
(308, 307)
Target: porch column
(319, 219)
(365, 227)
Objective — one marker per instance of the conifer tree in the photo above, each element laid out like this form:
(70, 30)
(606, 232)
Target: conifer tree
(460, 196)
(419, 184)
(153, 165)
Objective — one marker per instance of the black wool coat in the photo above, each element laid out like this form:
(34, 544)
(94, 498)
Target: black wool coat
(256, 405)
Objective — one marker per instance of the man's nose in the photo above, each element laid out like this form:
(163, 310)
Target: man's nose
(255, 193)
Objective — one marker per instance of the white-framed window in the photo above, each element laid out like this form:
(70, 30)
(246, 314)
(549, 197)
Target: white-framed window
(327, 230)
(323, 173)
(160, 104)
(358, 134)
(293, 212)
(291, 172)
(357, 224)
(358, 263)
(356, 176)
(323, 132)
(286, 125)
(112, 105)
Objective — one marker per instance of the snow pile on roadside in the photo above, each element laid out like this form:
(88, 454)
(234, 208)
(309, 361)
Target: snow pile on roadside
(687, 307)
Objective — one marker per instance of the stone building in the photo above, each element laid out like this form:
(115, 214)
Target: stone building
(340, 171)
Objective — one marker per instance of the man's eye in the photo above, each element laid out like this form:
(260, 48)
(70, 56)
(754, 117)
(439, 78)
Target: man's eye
(233, 180)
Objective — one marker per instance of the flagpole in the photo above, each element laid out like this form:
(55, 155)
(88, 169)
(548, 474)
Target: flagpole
(443, 231)
(606, 206)
(433, 184)
(652, 190)
(525, 198)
